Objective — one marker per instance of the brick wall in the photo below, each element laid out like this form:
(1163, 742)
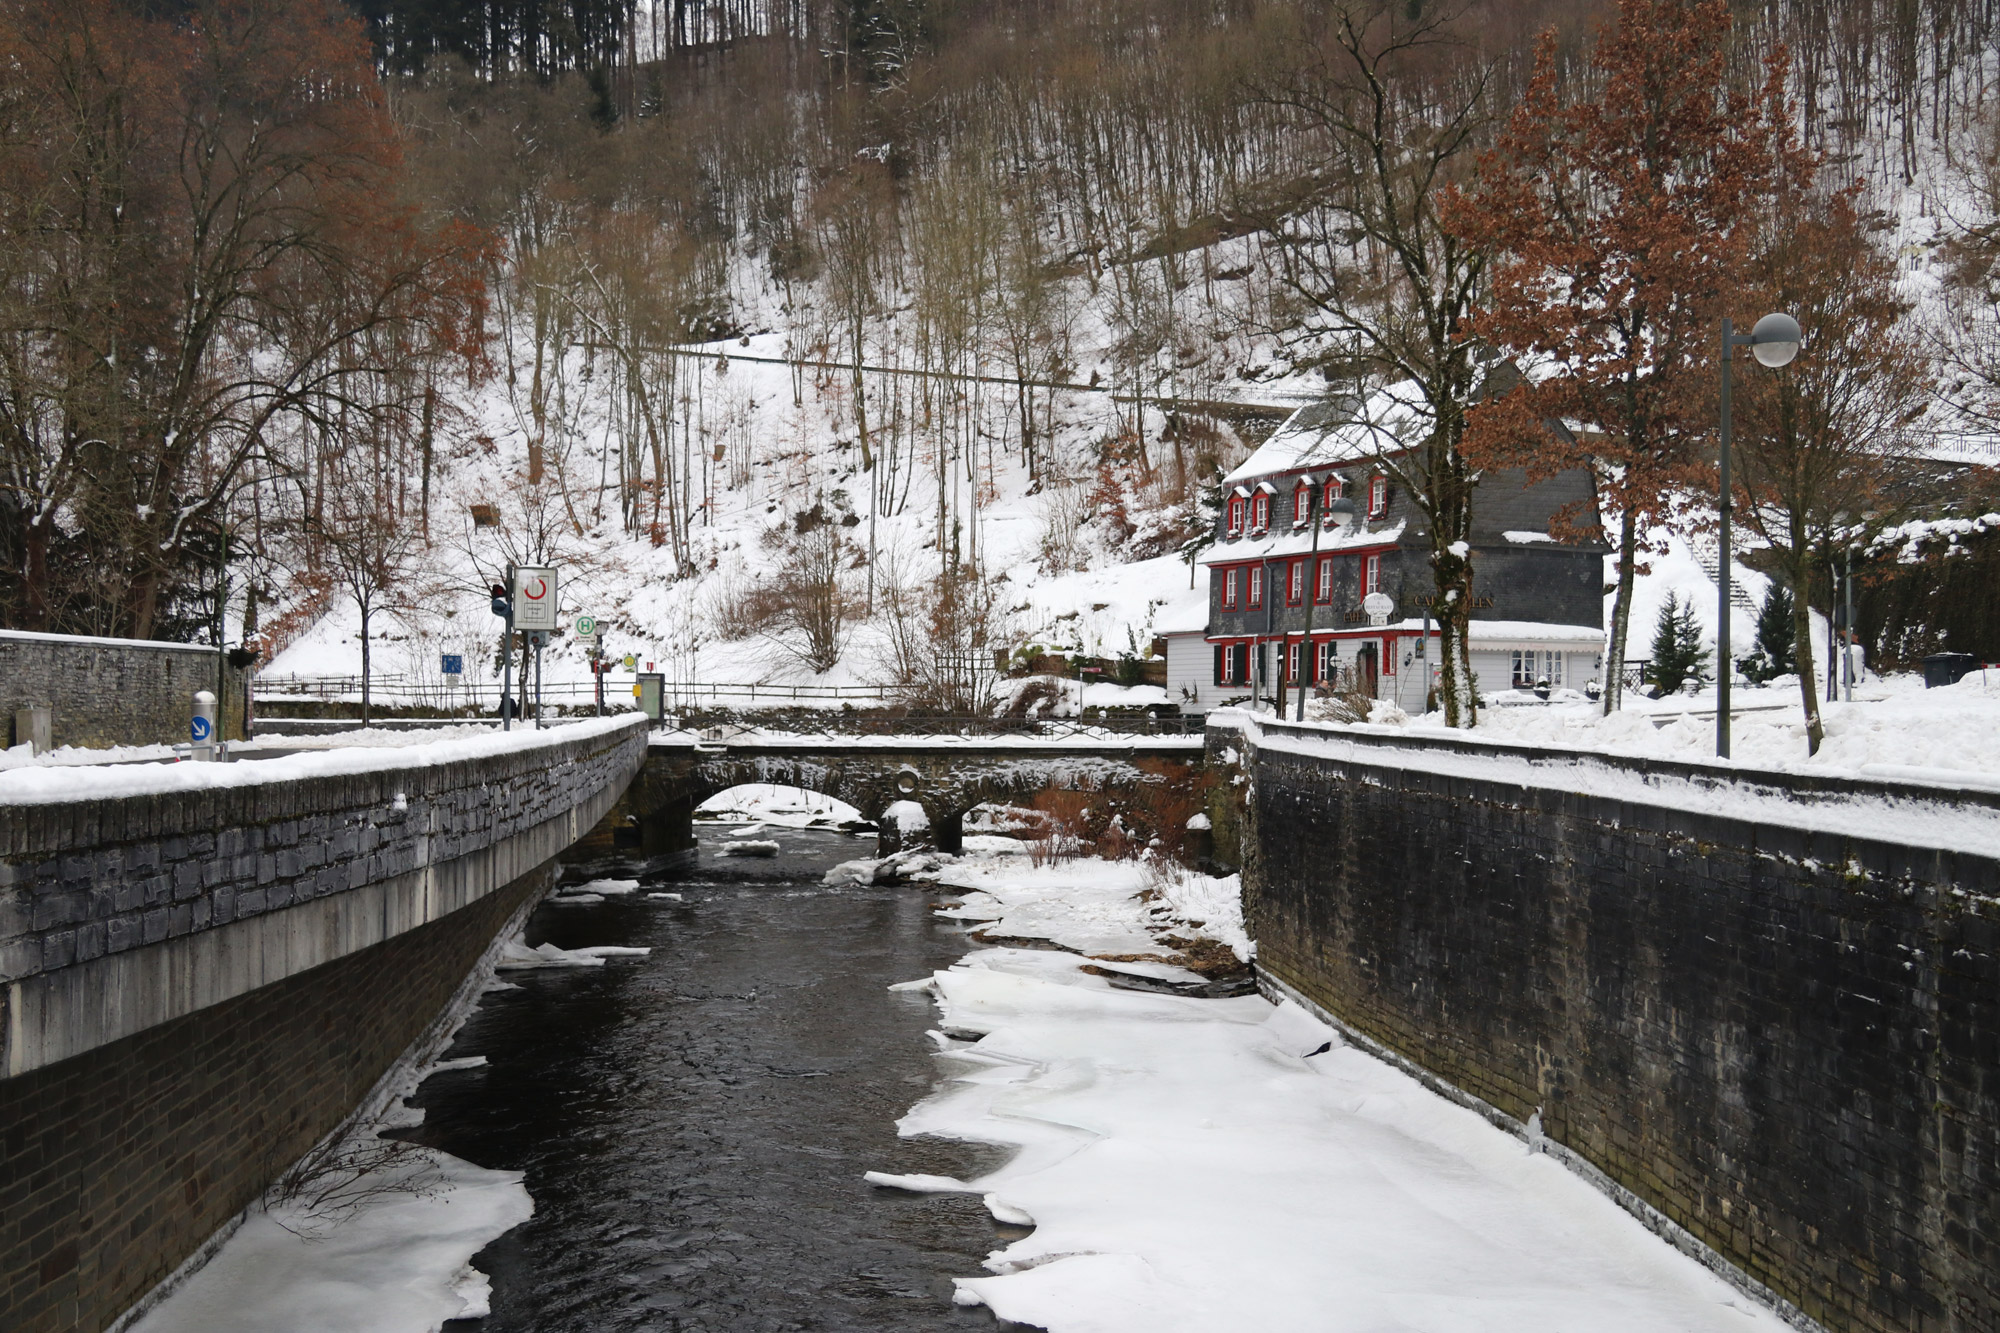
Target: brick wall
(117, 1164)
(1785, 1041)
(114, 691)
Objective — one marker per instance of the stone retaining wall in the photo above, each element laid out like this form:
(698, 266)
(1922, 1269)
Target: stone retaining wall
(199, 984)
(1762, 1010)
(115, 691)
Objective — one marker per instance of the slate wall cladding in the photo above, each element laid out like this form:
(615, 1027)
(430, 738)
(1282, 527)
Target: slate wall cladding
(116, 1165)
(114, 691)
(1786, 1042)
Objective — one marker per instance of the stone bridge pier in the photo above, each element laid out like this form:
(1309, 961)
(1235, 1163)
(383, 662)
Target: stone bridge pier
(1144, 778)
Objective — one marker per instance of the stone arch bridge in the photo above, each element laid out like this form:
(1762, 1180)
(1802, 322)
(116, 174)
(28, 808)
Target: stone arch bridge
(653, 826)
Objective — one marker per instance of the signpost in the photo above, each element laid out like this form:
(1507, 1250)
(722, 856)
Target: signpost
(535, 597)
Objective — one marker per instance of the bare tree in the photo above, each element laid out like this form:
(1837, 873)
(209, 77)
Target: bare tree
(1396, 107)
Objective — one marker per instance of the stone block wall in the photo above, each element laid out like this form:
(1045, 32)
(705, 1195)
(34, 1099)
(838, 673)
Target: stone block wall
(200, 983)
(117, 1164)
(115, 691)
(1783, 1034)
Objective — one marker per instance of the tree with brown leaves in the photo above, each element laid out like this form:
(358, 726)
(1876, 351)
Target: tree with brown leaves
(1622, 218)
(1817, 440)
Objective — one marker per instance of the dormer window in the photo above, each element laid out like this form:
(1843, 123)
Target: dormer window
(1378, 496)
(1302, 501)
(1333, 492)
(1236, 504)
(1260, 511)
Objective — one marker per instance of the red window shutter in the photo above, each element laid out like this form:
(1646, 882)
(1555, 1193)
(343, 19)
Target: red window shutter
(1388, 657)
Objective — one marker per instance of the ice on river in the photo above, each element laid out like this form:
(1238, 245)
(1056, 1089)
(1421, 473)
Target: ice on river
(1188, 1165)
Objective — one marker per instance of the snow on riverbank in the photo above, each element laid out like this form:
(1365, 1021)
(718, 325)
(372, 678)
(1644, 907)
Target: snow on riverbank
(1199, 1164)
(1097, 907)
(401, 1263)
(1191, 1165)
(778, 805)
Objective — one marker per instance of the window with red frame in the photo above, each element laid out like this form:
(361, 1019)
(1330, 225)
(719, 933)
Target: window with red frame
(1371, 575)
(1324, 593)
(1388, 657)
(1260, 512)
(1236, 514)
(1326, 660)
(1229, 577)
(1256, 585)
(1378, 497)
(1302, 500)
(1295, 583)
(1333, 490)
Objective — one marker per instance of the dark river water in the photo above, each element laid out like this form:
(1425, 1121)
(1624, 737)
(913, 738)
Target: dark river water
(694, 1124)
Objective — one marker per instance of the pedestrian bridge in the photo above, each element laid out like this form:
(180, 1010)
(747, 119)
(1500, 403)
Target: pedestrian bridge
(1144, 776)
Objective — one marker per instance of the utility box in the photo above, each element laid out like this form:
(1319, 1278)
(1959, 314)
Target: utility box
(35, 725)
(650, 690)
(1947, 668)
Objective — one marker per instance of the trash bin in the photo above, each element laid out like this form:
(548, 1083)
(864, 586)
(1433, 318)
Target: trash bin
(1947, 668)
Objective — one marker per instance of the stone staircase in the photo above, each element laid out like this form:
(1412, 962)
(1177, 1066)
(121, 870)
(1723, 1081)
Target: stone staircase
(1707, 553)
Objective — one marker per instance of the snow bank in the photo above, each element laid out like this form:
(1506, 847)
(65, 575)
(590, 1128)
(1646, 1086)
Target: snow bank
(106, 781)
(402, 1261)
(1954, 729)
(773, 803)
(1188, 1166)
(1095, 907)
(750, 847)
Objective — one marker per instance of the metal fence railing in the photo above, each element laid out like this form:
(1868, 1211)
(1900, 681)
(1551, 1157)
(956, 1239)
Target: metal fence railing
(390, 689)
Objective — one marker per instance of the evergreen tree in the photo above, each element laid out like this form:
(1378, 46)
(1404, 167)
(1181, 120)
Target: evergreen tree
(1774, 635)
(1677, 650)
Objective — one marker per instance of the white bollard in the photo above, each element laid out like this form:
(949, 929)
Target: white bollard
(201, 728)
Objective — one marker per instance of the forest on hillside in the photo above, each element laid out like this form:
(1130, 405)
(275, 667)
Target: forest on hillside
(262, 261)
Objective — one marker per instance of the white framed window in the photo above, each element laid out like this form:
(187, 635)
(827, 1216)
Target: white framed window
(1295, 583)
(1256, 585)
(1302, 500)
(1229, 577)
(1260, 512)
(1371, 575)
(1378, 496)
(1235, 515)
(1324, 593)
(1533, 666)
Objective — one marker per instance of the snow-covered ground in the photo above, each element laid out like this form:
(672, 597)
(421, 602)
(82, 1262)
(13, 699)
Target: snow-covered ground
(1203, 1164)
(1895, 728)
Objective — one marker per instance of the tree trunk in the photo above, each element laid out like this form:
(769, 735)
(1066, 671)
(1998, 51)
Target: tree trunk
(364, 664)
(35, 604)
(1799, 570)
(1621, 616)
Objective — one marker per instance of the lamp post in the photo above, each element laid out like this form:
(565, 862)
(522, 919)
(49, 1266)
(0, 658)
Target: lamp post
(1341, 509)
(1774, 341)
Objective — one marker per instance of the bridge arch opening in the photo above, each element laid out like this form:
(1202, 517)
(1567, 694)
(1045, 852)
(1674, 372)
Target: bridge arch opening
(782, 805)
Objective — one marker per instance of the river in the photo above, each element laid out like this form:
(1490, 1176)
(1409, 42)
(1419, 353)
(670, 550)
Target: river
(694, 1124)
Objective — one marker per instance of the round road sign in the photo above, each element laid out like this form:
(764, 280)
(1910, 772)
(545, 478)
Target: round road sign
(586, 626)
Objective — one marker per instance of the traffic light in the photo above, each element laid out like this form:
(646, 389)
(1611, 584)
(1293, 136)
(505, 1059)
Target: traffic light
(502, 607)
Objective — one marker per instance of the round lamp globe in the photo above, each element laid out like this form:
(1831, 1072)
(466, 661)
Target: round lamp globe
(1775, 340)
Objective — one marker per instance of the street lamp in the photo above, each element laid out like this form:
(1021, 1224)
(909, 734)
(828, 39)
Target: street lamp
(1774, 340)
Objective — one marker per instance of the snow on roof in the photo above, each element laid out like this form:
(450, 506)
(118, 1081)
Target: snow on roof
(1299, 541)
(1345, 428)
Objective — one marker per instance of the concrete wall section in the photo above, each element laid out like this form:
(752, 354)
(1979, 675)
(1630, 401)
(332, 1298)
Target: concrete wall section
(1767, 1006)
(119, 914)
(115, 691)
(119, 1163)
